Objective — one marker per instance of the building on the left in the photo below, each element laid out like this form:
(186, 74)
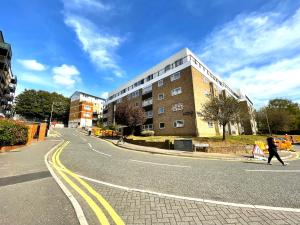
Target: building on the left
(8, 81)
(85, 110)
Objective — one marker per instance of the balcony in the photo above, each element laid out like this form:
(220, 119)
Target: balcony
(147, 90)
(9, 97)
(12, 87)
(14, 80)
(147, 102)
(4, 49)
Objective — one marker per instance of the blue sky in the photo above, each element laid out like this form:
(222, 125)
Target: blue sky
(96, 45)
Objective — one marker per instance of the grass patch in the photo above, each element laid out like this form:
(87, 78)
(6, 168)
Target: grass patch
(237, 140)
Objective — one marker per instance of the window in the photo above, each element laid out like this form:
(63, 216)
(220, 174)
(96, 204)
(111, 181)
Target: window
(161, 110)
(119, 100)
(176, 91)
(160, 83)
(87, 107)
(161, 96)
(178, 123)
(149, 114)
(177, 107)
(87, 114)
(168, 67)
(206, 93)
(135, 94)
(178, 62)
(205, 80)
(161, 125)
(210, 124)
(148, 127)
(175, 76)
(136, 104)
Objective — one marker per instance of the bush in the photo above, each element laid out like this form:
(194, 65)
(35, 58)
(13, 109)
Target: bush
(147, 133)
(12, 133)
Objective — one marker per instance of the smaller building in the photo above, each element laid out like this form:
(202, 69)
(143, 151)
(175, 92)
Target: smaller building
(85, 110)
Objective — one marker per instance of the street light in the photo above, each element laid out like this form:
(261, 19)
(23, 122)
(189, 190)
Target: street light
(268, 122)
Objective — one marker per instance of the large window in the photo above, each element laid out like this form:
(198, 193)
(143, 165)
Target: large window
(177, 107)
(161, 125)
(149, 114)
(176, 91)
(148, 127)
(161, 96)
(161, 110)
(87, 107)
(160, 83)
(175, 76)
(210, 124)
(178, 123)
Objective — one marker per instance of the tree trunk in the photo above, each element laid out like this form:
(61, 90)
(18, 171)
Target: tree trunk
(223, 132)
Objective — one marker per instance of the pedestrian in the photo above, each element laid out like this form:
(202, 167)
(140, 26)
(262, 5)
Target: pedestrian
(90, 131)
(292, 139)
(272, 148)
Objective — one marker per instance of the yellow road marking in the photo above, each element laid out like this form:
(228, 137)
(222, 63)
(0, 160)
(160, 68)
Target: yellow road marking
(99, 213)
(117, 219)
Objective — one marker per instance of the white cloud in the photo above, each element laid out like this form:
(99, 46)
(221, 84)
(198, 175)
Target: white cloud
(100, 46)
(253, 38)
(279, 79)
(91, 5)
(66, 75)
(34, 79)
(258, 53)
(104, 95)
(32, 64)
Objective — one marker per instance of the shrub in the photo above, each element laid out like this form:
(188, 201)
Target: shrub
(12, 133)
(147, 133)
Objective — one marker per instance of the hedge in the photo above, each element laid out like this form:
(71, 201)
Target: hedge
(12, 133)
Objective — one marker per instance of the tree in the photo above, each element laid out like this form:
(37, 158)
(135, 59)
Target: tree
(129, 115)
(283, 116)
(37, 105)
(223, 110)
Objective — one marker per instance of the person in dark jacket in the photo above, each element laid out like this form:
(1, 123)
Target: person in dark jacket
(273, 151)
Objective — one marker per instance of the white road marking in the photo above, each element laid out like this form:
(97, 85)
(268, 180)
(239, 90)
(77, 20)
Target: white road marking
(78, 210)
(83, 139)
(90, 145)
(159, 164)
(102, 153)
(191, 198)
(275, 171)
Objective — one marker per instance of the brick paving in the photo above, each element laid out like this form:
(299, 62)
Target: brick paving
(144, 209)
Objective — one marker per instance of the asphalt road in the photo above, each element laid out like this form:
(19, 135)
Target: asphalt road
(228, 181)
(28, 193)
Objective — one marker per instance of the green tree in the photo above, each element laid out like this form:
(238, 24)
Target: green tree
(36, 105)
(283, 116)
(129, 115)
(223, 110)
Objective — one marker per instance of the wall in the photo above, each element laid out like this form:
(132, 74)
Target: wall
(169, 116)
(203, 90)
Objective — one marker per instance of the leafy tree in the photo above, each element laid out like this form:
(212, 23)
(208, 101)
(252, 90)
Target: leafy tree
(223, 110)
(283, 116)
(129, 115)
(37, 105)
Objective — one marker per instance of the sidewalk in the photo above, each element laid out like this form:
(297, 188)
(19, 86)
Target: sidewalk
(27, 190)
(284, 154)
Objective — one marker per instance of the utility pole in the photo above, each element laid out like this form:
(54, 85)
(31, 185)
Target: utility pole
(268, 122)
(51, 115)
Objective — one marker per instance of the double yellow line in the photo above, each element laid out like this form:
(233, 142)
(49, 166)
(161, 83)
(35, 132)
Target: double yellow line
(64, 172)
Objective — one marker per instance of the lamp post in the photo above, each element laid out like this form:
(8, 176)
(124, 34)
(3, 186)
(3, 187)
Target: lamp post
(51, 115)
(268, 122)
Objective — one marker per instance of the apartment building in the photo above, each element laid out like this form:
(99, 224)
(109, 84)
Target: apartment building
(8, 81)
(85, 110)
(173, 92)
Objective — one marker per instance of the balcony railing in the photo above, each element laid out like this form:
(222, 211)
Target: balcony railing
(147, 90)
(147, 102)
